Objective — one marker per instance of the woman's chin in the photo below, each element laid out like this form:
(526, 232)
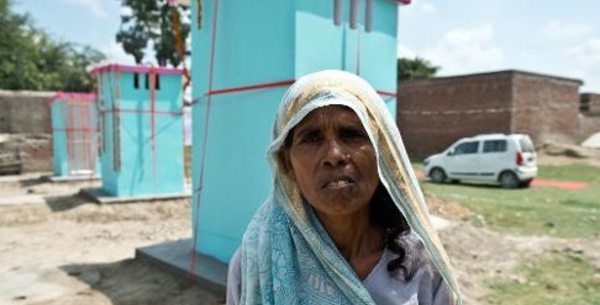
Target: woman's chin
(340, 208)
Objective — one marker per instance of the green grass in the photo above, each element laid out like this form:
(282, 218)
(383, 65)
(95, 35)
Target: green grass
(564, 278)
(534, 210)
(575, 172)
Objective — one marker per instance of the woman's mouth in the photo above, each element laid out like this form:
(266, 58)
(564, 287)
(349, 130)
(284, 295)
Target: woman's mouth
(339, 183)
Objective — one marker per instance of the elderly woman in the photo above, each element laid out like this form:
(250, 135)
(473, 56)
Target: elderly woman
(346, 222)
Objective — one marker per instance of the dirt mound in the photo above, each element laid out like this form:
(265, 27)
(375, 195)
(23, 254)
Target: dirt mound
(447, 209)
(35, 150)
(592, 142)
(575, 151)
(564, 154)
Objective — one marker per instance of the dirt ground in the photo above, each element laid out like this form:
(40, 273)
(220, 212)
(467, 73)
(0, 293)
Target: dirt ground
(69, 250)
(59, 248)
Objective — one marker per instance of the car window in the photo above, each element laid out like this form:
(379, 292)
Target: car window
(526, 145)
(466, 148)
(492, 146)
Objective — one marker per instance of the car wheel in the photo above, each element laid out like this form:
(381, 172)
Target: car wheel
(437, 175)
(509, 180)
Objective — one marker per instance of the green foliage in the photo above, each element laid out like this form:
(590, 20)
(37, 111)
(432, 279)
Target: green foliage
(150, 22)
(32, 60)
(534, 210)
(415, 69)
(564, 278)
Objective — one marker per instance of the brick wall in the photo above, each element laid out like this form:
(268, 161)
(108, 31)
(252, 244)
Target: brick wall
(35, 150)
(589, 125)
(545, 107)
(590, 103)
(25, 112)
(589, 118)
(434, 113)
(25, 115)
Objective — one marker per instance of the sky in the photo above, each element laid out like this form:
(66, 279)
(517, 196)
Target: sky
(554, 37)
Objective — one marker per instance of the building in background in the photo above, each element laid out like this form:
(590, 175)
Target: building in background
(141, 127)
(434, 113)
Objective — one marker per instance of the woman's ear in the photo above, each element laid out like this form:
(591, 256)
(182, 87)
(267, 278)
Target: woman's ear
(283, 156)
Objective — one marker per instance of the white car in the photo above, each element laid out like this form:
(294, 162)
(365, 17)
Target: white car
(507, 159)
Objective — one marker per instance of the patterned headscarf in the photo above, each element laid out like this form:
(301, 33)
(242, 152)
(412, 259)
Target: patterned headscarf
(287, 257)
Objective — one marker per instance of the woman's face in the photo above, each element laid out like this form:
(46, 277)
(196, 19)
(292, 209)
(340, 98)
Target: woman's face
(332, 161)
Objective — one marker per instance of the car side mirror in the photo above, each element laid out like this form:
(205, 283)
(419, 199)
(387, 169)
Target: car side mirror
(450, 153)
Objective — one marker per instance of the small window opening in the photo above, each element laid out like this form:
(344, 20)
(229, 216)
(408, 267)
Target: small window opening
(337, 12)
(369, 16)
(136, 80)
(354, 14)
(147, 81)
(156, 81)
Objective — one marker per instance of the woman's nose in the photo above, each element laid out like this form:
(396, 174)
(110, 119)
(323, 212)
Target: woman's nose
(335, 154)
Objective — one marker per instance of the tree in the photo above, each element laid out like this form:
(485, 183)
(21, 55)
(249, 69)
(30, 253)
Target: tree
(415, 68)
(151, 21)
(74, 75)
(16, 46)
(32, 60)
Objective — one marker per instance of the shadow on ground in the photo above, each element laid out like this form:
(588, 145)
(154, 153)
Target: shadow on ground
(32, 182)
(464, 184)
(65, 202)
(132, 281)
(481, 185)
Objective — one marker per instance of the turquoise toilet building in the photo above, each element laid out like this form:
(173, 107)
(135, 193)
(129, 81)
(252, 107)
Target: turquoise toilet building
(245, 55)
(74, 136)
(141, 130)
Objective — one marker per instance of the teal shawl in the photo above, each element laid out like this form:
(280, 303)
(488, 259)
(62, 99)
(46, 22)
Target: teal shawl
(287, 257)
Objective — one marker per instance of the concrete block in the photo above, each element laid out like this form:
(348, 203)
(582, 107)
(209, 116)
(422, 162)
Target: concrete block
(176, 256)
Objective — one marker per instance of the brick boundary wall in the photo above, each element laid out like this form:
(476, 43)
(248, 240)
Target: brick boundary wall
(549, 107)
(590, 103)
(589, 119)
(589, 125)
(25, 116)
(25, 112)
(434, 113)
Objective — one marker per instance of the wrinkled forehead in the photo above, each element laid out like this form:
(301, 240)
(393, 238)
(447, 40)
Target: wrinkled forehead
(335, 103)
(307, 102)
(325, 88)
(331, 116)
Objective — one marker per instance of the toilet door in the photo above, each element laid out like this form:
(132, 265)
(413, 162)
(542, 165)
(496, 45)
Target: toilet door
(81, 137)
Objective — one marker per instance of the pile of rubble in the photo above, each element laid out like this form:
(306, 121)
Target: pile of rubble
(569, 150)
(25, 153)
(592, 142)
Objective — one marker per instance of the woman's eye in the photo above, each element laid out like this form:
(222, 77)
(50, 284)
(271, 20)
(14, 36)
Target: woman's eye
(353, 134)
(311, 138)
